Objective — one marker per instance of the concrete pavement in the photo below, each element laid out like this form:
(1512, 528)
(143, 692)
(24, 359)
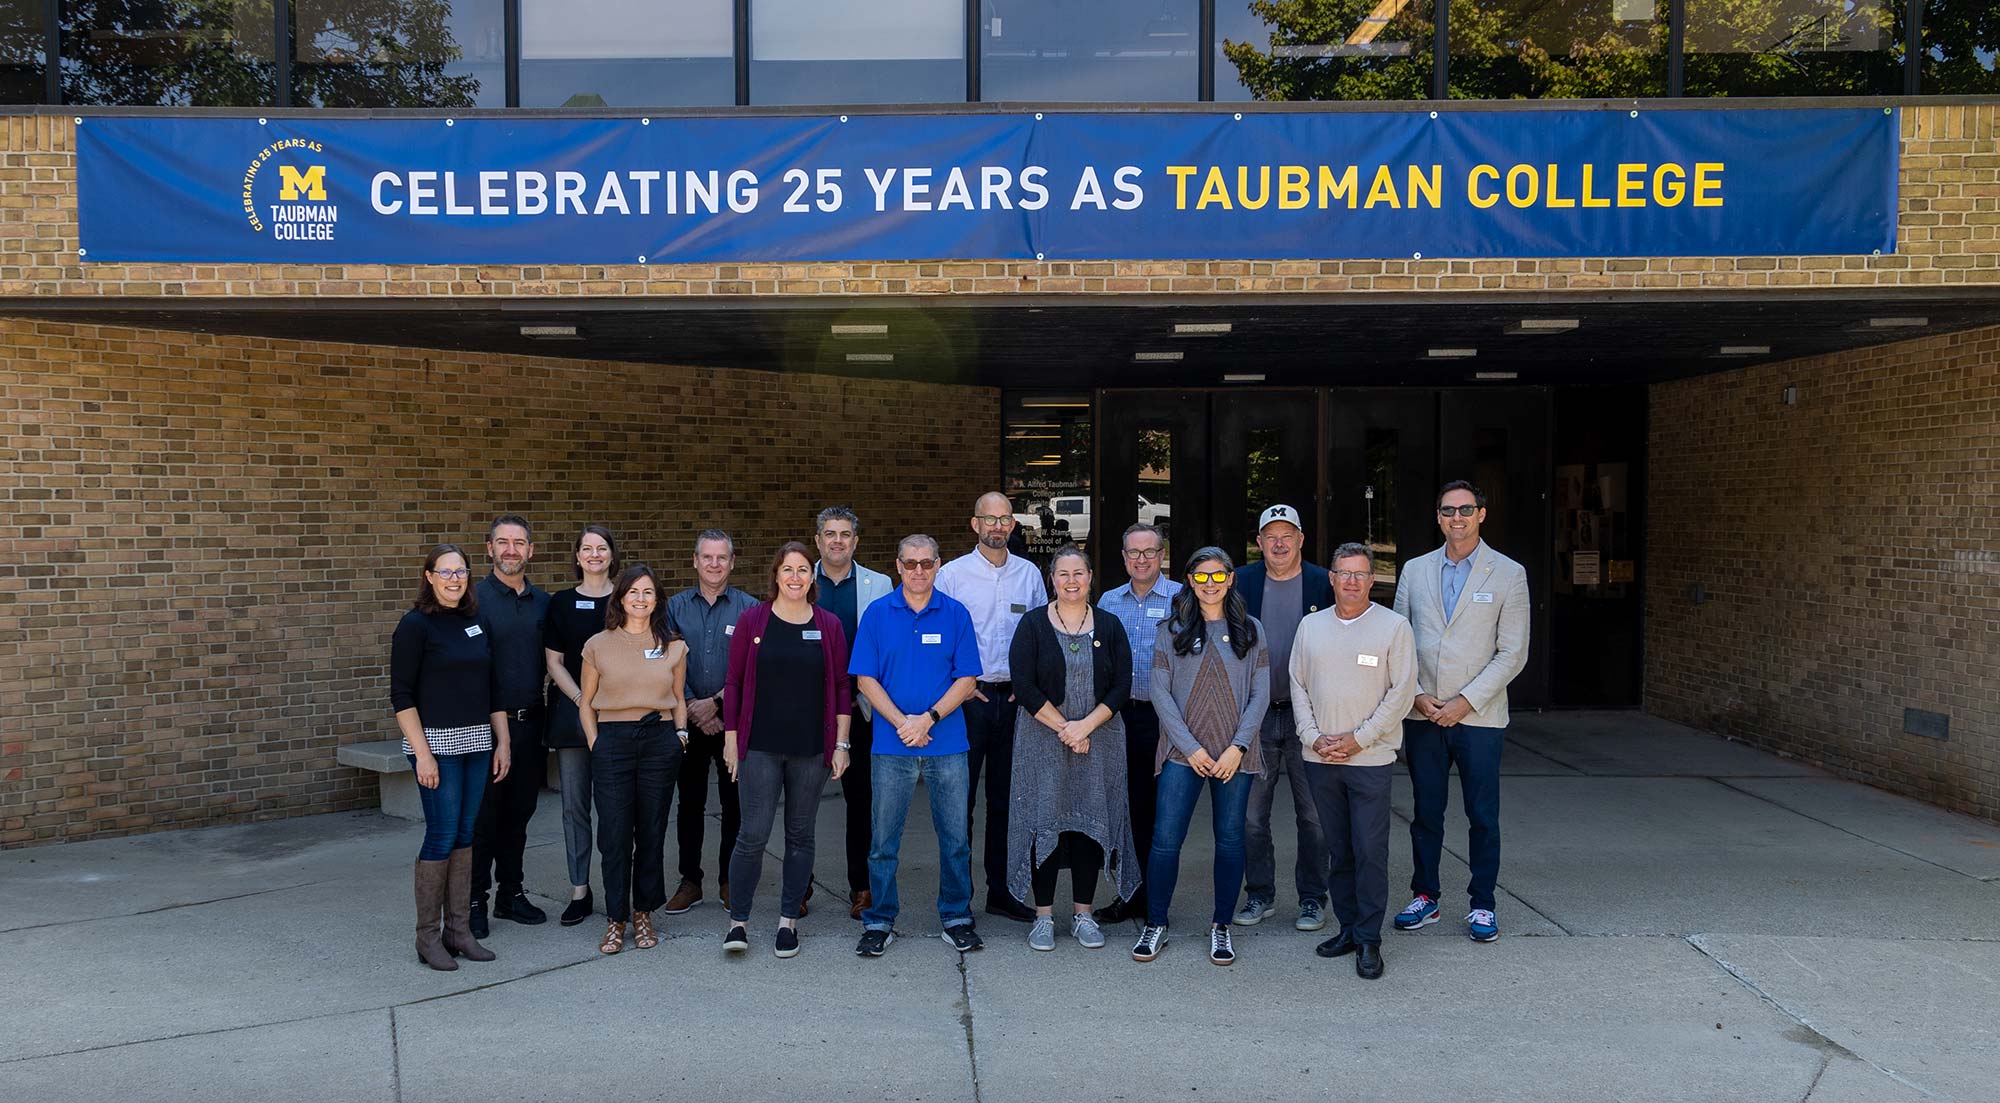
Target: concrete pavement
(1684, 919)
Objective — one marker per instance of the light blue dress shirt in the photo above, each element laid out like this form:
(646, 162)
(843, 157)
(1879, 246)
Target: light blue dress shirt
(1142, 620)
(1453, 576)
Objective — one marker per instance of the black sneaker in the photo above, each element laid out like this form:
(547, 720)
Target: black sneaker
(873, 943)
(511, 903)
(1220, 950)
(963, 938)
(477, 915)
(579, 909)
(737, 940)
(788, 942)
(1006, 907)
(1151, 941)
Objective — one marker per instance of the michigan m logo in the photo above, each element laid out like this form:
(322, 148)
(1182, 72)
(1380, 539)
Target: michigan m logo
(312, 182)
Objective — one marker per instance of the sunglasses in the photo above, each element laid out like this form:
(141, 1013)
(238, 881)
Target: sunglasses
(1462, 511)
(1204, 577)
(918, 564)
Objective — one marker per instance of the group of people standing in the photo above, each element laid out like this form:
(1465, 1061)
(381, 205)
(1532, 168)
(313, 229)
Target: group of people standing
(1095, 721)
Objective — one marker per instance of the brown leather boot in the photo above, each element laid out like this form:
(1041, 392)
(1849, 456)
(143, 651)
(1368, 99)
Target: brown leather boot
(430, 909)
(862, 901)
(458, 909)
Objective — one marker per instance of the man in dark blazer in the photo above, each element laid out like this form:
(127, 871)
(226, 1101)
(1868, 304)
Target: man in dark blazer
(1282, 589)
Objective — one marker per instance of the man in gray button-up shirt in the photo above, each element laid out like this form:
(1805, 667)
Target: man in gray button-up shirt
(705, 616)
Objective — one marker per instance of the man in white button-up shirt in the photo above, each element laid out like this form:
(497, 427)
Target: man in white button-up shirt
(997, 587)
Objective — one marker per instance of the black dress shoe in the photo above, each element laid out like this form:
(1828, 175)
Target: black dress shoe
(1339, 945)
(477, 917)
(579, 909)
(1006, 907)
(1120, 910)
(511, 903)
(1368, 961)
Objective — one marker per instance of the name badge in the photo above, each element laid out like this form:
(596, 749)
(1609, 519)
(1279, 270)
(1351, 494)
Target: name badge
(475, 630)
(656, 652)
(810, 634)
(933, 637)
(1367, 660)
(728, 629)
(586, 604)
(1017, 607)
(1482, 599)
(1156, 614)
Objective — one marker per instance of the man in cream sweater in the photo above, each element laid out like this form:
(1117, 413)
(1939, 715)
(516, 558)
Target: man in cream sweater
(1354, 674)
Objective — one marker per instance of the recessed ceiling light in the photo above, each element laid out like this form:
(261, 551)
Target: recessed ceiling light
(1044, 463)
(1453, 354)
(1201, 329)
(1243, 377)
(1034, 436)
(1496, 375)
(1034, 425)
(1744, 350)
(550, 333)
(1911, 322)
(870, 357)
(1155, 357)
(860, 329)
(1053, 404)
(1543, 325)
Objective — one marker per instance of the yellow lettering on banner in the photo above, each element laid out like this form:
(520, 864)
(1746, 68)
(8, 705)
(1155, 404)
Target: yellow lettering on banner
(1383, 190)
(1554, 199)
(1213, 189)
(312, 182)
(1589, 200)
(1472, 194)
(1707, 178)
(1515, 195)
(1263, 186)
(1669, 194)
(1332, 188)
(1631, 189)
(1180, 173)
(1427, 186)
(1292, 192)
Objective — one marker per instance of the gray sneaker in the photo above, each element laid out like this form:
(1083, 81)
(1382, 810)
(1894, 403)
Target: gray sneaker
(1042, 936)
(1253, 912)
(1312, 914)
(1086, 930)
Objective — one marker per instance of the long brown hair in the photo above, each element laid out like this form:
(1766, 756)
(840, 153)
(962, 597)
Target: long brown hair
(614, 613)
(427, 600)
(787, 548)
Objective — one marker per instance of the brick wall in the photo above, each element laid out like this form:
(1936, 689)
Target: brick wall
(206, 540)
(1849, 551)
(1949, 183)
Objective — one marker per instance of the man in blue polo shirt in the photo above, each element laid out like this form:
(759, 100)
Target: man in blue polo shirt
(916, 658)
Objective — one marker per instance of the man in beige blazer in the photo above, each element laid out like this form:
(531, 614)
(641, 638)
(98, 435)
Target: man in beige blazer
(1468, 607)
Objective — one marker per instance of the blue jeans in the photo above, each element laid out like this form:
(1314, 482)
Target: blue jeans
(1178, 790)
(948, 779)
(451, 809)
(1430, 752)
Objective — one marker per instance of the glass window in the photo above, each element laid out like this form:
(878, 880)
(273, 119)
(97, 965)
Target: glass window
(398, 53)
(1338, 50)
(1379, 495)
(161, 53)
(1156, 485)
(23, 42)
(1045, 467)
(1263, 459)
(1111, 50)
(1558, 49)
(1961, 38)
(1794, 48)
(857, 51)
(627, 53)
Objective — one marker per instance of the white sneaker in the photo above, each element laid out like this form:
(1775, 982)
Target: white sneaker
(1151, 941)
(1220, 952)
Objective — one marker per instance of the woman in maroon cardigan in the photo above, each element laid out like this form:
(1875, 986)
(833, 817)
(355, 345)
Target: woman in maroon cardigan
(785, 713)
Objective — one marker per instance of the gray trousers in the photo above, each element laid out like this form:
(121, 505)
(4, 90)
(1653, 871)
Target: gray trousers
(1260, 870)
(1354, 808)
(574, 764)
(761, 778)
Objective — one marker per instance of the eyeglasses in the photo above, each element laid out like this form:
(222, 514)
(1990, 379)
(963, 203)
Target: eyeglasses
(452, 576)
(918, 564)
(1354, 576)
(1462, 511)
(1204, 577)
(1142, 553)
(991, 522)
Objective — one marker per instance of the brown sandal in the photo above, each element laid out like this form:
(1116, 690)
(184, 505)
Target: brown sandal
(614, 938)
(642, 930)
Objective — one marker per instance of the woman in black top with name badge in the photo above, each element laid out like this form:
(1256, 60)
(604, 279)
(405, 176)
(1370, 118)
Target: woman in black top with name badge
(575, 616)
(441, 686)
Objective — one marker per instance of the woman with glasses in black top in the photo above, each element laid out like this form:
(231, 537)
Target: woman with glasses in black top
(575, 615)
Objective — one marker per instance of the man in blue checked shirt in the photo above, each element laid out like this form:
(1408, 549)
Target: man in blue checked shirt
(1142, 605)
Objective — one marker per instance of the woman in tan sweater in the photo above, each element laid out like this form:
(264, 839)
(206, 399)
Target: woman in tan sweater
(634, 718)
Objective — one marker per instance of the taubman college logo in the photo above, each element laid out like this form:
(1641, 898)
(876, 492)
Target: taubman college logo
(294, 206)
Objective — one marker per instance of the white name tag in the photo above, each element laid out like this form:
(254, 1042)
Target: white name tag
(1482, 599)
(475, 630)
(933, 637)
(656, 652)
(1367, 660)
(809, 634)
(586, 604)
(728, 629)
(1156, 614)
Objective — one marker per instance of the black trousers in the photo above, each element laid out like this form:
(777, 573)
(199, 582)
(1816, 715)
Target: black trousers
(858, 790)
(702, 752)
(1077, 853)
(501, 833)
(1142, 742)
(632, 782)
(989, 727)
(1353, 806)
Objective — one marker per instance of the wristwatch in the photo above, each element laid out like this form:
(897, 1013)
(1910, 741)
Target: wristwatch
(843, 746)
(933, 714)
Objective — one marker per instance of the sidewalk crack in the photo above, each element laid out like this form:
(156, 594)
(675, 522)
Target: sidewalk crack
(965, 1020)
(161, 908)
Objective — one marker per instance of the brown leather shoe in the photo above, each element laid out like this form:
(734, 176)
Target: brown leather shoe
(685, 897)
(457, 909)
(805, 906)
(863, 900)
(430, 913)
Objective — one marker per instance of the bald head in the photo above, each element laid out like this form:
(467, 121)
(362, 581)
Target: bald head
(992, 524)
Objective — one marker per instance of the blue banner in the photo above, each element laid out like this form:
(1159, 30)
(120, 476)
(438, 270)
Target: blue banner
(1604, 183)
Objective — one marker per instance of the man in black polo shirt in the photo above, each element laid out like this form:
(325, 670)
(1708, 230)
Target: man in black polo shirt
(511, 610)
